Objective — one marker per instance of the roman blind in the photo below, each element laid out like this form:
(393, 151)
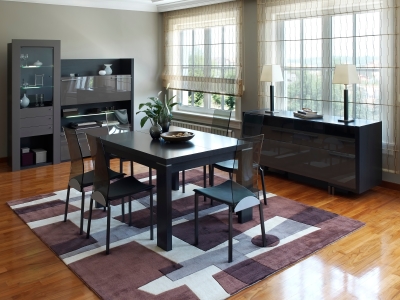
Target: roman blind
(203, 49)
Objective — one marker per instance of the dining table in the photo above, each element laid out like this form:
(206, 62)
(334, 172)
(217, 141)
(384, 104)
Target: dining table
(168, 158)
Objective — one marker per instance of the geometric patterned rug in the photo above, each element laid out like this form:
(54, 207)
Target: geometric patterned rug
(137, 269)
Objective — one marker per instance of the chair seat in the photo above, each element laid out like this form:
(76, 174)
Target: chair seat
(89, 176)
(127, 186)
(223, 192)
(227, 165)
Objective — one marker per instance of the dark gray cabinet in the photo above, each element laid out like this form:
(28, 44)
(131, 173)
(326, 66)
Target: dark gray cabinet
(33, 68)
(90, 95)
(342, 156)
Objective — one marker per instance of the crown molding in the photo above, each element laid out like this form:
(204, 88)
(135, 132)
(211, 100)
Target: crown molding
(137, 5)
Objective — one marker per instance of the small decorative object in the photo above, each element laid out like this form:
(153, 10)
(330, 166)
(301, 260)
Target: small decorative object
(271, 73)
(108, 69)
(102, 72)
(177, 136)
(41, 100)
(24, 101)
(72, 75)
(24, 58)
(155, 131)
(345, 74)
(39, 79)
(37, 100)
(24, 84)
(37, 63)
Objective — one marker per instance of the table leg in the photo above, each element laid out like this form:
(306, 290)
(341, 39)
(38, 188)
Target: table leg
(164, 208)
(175, 181)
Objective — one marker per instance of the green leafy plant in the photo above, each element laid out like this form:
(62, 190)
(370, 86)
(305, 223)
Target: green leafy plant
(155, 110)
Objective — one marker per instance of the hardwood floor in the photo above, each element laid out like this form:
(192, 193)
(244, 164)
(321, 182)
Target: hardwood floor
(364, 265)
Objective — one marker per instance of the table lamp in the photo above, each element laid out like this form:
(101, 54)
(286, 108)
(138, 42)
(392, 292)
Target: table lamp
(271, 73)
(345, 74)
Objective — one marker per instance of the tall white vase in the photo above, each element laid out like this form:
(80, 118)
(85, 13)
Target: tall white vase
(24, 101)
(108, 69)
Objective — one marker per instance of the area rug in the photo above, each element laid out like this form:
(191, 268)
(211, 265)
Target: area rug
(137, 269)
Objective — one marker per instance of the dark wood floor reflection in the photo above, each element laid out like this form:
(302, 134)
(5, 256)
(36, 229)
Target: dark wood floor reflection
(364, 265)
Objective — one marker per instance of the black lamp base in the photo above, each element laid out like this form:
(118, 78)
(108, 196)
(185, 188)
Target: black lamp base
(271, 101)
(346, 121)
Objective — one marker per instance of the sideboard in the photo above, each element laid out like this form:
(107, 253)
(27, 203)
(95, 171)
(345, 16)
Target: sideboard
(342, 156)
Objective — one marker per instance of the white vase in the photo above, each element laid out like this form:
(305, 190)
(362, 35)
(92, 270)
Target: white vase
(108, 69)
(24, 101)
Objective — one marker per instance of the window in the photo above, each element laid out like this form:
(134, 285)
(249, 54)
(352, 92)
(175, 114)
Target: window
(203, 56)
(308, 70)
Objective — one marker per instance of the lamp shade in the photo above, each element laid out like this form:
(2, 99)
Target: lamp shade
(345, 74)
(271, 73)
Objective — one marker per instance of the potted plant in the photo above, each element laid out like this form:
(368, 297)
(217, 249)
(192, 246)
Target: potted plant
(166, 111)
(152, 111)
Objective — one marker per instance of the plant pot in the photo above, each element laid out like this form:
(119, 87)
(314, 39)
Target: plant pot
(155, 131)
(165, 126)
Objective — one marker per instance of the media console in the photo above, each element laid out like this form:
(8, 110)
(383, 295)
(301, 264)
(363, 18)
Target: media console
(343, 156)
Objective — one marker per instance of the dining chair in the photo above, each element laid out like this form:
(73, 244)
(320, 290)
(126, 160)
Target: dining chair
(104, 192)
(241, 191)
(251, 126)
(117, 122)
(78, 178)
(219, 125)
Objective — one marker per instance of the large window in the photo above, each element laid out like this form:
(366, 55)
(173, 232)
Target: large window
(204, 56)
(312, 48)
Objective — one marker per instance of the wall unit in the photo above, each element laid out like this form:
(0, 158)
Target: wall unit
(34, 70)
(348, 157)
(87, 97)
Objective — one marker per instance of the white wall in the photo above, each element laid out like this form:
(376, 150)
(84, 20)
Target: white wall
(85, 33)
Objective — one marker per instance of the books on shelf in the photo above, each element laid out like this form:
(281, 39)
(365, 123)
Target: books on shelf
(307, 115)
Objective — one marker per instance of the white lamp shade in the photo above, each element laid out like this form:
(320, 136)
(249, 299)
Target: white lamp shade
(271, 73)
(345, 74)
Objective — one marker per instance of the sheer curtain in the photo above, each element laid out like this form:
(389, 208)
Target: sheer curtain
(203, 49)
(308, 38)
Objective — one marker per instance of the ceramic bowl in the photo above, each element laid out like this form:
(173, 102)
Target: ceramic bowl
(37, 63)
(177, 136)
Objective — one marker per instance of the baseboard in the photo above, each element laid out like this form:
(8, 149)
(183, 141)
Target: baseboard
(390, 185)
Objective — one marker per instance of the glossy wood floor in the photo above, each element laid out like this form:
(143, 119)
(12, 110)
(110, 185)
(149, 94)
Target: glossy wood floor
(364, 265)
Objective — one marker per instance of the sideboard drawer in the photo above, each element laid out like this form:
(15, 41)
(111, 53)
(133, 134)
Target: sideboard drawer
(36, 121)
(36, 130)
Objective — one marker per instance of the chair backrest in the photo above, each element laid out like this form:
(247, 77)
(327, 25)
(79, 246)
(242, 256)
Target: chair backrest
(252, 124)
(75, 153)
(221, 120)
(92, 147)
(101, 181)
(247, 157)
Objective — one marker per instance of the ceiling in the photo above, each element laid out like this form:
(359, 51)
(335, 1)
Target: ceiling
(138, 5)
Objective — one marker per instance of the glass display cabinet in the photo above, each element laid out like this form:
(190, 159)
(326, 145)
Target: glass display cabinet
(33, 103)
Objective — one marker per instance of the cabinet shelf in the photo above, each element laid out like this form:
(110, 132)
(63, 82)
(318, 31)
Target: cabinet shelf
(35, 87)
(88, 115)
(36, 67)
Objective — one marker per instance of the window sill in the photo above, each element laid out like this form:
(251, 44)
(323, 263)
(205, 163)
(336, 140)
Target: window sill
(203, 119)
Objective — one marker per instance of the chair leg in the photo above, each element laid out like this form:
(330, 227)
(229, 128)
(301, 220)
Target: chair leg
(123, 209)
(183, 181)
(263, 185)
(211, 175)
(130, 211)
(121, 165)
(230, 236)
(196, 219)
(90, 218)
(131, 168)
(151, 215)
(82, 211)
(204, 176)
(108, 228)
(66, 204)
(264, 242)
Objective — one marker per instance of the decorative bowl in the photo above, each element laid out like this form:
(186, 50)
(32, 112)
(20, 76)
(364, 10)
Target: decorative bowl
(37, 63)
(177, 136)
(102, 72)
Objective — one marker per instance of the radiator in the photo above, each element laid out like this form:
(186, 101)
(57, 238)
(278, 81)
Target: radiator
(201, 127)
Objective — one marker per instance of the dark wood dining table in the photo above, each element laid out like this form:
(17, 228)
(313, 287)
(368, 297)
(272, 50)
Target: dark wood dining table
(168, 159)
